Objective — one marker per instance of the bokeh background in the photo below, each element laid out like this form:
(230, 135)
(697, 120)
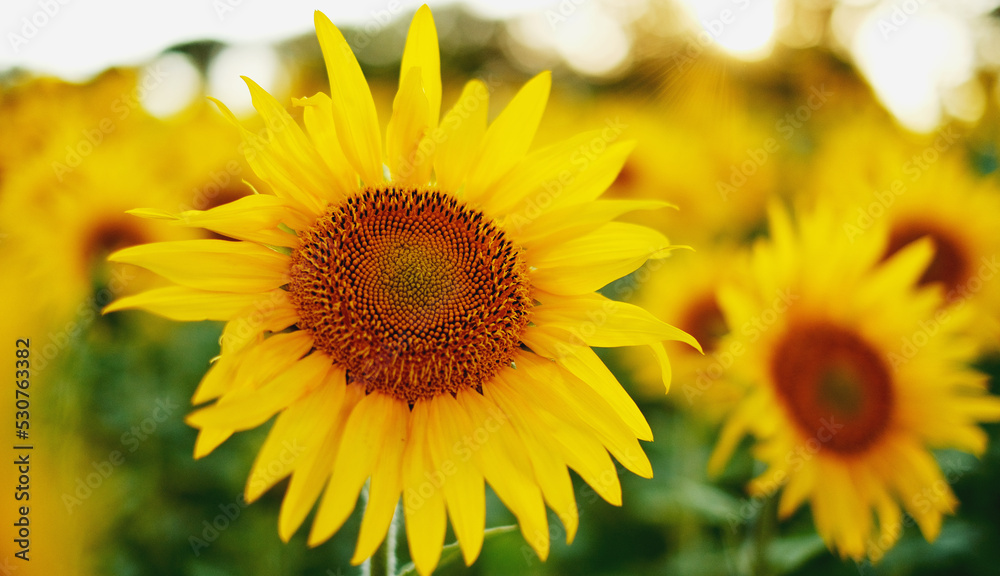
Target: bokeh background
(735, 105)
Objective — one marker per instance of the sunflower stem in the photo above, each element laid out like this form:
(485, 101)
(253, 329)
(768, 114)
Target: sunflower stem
(383, 562)
(764, 531)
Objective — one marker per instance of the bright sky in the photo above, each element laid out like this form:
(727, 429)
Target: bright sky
(914, 52)
(78, 38)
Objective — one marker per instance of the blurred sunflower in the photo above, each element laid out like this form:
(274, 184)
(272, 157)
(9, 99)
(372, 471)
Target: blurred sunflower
(855, 373)
(61, 533)
(65, 186)
(921, 187)
(428, 328)
(698, 378)
(718, 169)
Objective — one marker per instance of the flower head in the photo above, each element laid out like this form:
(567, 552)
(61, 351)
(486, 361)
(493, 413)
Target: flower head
(855, 373)
(419, 312)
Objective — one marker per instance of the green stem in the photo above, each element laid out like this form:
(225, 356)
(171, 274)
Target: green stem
(767, 524)
(383, 562)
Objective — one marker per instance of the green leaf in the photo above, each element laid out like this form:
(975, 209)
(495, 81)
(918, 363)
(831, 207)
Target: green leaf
(788, 554)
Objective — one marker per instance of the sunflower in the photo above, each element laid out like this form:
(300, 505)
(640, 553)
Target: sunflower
(64, 186)
(699, 381)
(422, 325)
(856, 373)
(922, 187)
(729, 165)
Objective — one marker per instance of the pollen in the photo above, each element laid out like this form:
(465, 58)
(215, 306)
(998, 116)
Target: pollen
(413, 293)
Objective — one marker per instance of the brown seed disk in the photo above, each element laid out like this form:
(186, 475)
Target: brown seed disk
(413, 293)
(835, 385)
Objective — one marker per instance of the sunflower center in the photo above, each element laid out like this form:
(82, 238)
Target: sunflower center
(950, 266)
(110, 235)
(704, 321)
(835, 386)
(413, 293)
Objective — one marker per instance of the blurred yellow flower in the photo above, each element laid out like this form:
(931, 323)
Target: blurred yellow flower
(427, 325)
(68, 177)
(718, 169)
(855, 373)
(920, 186)
(699, 382)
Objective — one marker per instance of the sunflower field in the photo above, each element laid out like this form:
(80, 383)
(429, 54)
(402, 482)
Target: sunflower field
(576, 287)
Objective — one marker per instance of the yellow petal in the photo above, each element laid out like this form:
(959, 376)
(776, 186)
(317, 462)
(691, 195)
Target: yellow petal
(301, 425)
(596, 320)
(537, 176)
(567, 443)
(733, 431)
(218, 380)
(254, 218)
(272, 357)
(535, 227)
(386, 482)
(273, 311)
(408, 163)
(247, 409)
(364, 432)
(293, 149)
(216, 265)
(590, 182)
(423, 500)
(552, 477)
(572, 400)
(590, 262)
(464, 493)
(313, 469)
(209, 439)
(317, 115)
(507, 140)
(421, 51)
(458, 138)
(504, 464)
(329, 516)
(583, 363)
(353, 108)
(266, 163)
(185, 304)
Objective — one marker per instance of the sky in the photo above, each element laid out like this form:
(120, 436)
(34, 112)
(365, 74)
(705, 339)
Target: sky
(75, 39)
